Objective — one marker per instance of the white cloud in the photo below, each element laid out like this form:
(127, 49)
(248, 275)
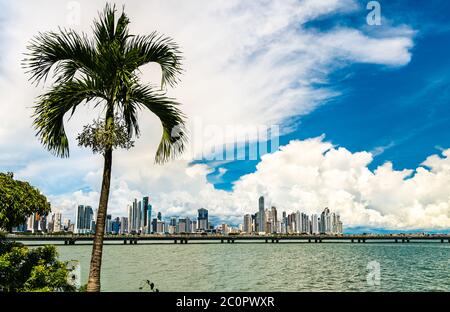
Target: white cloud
(247, 63)
(303, 175)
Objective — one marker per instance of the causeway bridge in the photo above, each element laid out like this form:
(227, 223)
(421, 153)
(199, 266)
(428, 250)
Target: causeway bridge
(72, 239)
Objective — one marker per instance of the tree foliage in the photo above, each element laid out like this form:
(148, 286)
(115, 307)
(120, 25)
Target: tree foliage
(37, 269)
(19, 200)
(99, 136)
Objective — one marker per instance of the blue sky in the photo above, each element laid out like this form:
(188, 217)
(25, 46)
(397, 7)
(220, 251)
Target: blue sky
(402, 113)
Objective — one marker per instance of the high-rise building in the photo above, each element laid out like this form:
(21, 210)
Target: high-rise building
(315, 224)
(108, 224)
(89, 218)
(57, 222)
(123, 225)
(248, 224)
(262, 215)
(115, 226)
(274, 215)
(130, 218)
(85, 216)
(182, 226)
(203, 219)
(149, 218)
(80, 219)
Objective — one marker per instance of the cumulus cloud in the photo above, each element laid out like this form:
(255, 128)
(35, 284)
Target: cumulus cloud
(304, 175)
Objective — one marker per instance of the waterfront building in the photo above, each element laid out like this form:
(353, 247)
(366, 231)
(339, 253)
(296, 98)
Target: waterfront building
(149, 218)
(314, 224)
(248, 228)
(108, 224)
(261, 215)
(203, 223)
(85, 215)
(182, 226)
(115, 226)
(145, 206)
(123, 225)
(56, 220)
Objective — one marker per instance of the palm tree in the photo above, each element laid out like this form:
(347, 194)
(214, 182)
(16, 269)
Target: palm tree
(104, 70)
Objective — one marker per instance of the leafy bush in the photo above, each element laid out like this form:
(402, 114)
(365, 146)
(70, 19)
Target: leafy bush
(23, 269)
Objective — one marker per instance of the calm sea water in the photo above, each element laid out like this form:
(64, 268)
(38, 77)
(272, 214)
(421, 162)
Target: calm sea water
(270, 267)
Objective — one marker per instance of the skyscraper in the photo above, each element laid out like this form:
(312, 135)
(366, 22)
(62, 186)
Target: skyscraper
(261, 215)
(144, 211)
(115, 226)
(88, 218)
(248, 223)
(108, 224)
(182, 226)
(85, 216)
(130, 218)
(149, 218)
(203, 219)
(123, 225)
(80, 219)
(57, 222)
(315, 224)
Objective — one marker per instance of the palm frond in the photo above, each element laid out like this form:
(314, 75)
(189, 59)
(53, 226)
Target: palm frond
(158, 49)
(174, 136)
(53, 105)
(106, 30)
(66, 49)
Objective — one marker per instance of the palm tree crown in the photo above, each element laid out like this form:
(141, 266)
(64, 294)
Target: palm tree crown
(105, 70)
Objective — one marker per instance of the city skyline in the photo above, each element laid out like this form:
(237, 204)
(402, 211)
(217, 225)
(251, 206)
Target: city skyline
(329, 82)
(135, 223)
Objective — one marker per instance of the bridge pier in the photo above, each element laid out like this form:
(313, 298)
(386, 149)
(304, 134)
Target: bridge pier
(124, 241)
(309, 240)
(396, 240)
(174, 241)
(221, 241)
(353, 240)
(277, 241)
(267, 240)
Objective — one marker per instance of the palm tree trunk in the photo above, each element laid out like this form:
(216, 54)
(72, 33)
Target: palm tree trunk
(97, 248)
